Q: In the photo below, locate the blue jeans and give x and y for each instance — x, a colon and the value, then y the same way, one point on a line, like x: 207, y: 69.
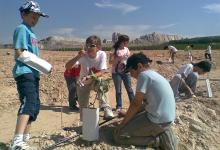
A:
x: 117, y: 78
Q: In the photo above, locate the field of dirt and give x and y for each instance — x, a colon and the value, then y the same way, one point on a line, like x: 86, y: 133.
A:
x: 196, y: 125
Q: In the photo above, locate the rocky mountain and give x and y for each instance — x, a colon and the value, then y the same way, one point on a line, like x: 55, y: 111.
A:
x: 156, y: 38
x: 58, y: 42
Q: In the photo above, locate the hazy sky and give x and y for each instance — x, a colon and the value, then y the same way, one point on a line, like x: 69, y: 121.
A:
x: 81, y: 18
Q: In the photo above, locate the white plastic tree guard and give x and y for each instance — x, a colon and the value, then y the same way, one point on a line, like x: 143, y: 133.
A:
x: 208, y: 87
x: 90, y: 127
x: 35, y: 62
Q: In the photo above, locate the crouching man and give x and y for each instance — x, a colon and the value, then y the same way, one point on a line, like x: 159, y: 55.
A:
x: 185, y: 80
x: 149, y: 117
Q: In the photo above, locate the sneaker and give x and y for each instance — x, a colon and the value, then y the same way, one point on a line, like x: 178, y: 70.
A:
x: 26, y: 137
x: 168, y: 140
x: 74, y: 108
x: 118, y: 110
x: 22, y: 146
x: 108, y: 114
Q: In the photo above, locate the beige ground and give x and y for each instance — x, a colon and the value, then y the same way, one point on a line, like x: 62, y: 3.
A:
x: 196, y: 126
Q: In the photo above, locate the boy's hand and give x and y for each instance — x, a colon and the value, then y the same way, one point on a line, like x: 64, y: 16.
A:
x: 18, y: 52
x: 85, y: 80
x: 81, y: 53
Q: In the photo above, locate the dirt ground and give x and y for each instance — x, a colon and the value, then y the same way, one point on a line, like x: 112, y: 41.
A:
x: 196, y: 125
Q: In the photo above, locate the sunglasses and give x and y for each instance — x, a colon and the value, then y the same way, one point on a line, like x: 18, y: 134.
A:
x: 90, y: 46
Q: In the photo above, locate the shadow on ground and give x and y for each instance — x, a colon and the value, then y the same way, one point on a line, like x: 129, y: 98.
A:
x: 4, y: 146
x: 58, y: 108
x: 106, y: 139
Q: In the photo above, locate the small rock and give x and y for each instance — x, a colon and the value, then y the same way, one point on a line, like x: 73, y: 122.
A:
x: 98, y: 147
x: 211, y: 112
x: 190, y: 120
x: 63, y: 133
x: 47, y: 143
x: 195, y: 128
x: 178, y: 120
x: 192, y: 143
x: 199, y: 148
x: 132, y: 147
x: 150, y: 149
x: 215, y: 130
x: 119, y: 148
x: 93, y: 146
x: 183, y: 146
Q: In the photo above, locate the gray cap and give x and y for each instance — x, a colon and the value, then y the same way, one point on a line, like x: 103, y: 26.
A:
x: 32, y: 6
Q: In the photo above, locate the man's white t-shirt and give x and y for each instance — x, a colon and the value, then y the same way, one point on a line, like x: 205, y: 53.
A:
x: 209, y: 49
x: 172, y: 48
x: 89, y: 65
x: 185, y: 70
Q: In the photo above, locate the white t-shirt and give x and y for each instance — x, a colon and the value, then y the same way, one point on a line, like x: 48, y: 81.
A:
x: 158, y: 96
x: 172, y: 48
x: 121, y: 56
x: 89, y: 65
x: 185, y: 70
x: 209, y: 49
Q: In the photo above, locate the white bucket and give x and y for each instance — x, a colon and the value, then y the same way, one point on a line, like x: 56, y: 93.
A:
x: 90, y: 128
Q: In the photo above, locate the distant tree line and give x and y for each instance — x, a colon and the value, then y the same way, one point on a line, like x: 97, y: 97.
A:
x: 199, y: 43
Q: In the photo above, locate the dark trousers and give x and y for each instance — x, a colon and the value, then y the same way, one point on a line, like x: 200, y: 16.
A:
x: 71, y: 85
x: 173, y: 56
x: 28, y: 90
x: 208, y: 56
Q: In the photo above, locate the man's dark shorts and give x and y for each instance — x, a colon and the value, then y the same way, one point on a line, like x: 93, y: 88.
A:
x: 28, y: 90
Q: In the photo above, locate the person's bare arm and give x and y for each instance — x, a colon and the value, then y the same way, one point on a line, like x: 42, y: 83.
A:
x: 73, y: 61
x: 111, y: 58
x: 189, y: 90
x: 18, y: 52
x: 134, y: 108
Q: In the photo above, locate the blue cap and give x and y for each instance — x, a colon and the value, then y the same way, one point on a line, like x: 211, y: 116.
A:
x: 32, y: 6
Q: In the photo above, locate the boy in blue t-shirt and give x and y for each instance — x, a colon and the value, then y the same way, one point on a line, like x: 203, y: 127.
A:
x: 150, y: 115
x: 27, y: 78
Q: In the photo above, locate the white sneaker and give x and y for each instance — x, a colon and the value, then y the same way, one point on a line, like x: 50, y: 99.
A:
x: 26, y: 137
x: 108, y: 114
x: 22, y: 146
